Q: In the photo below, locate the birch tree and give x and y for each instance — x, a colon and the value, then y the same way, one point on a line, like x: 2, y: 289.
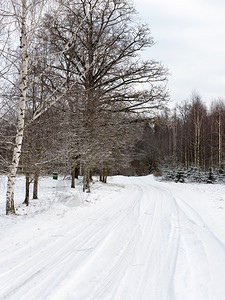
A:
x: 198, y: 141
x: 21, y: 21
x: 198, y: 114
x: 217, y: 131
x: 16, y: 61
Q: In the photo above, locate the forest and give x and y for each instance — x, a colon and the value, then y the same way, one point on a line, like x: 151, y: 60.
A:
x: 188, y: 138
x: 77, y: 98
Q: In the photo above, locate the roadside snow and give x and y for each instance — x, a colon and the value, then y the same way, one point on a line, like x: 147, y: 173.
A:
x: 132, y: 239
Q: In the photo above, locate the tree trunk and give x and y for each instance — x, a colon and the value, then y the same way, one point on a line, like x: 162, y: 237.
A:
x: 100, y: 175
x: 86, y: 180
x: 219, y: 142
x: 27, y: 193
x: 103, y: 174
x: 73, y: 173
x: 35, y: 189
x: 77, y: 172
x: 197, y: 141
x: 211, y: 148
x: 106, y: 175
x: 90, y: 176
x: 10, y: 207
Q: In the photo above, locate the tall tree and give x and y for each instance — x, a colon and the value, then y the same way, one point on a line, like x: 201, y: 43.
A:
x: 198, y: 114
x: 217, y: 115
x: 107, y: 53
x: 21, y: 21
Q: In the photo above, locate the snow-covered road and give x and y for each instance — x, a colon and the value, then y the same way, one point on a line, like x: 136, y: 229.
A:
x: 141, y: 240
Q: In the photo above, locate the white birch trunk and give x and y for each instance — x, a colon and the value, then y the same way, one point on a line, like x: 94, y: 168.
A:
x: 10, y: 208
x: 219, y: 142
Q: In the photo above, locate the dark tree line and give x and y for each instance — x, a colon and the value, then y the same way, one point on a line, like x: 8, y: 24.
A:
x: 190, y: 135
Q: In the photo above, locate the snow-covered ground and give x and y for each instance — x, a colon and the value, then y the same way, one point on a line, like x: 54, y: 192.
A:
x: 132, y: 239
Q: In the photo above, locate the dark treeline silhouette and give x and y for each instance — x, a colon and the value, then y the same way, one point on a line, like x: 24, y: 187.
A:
x: 190, y: 135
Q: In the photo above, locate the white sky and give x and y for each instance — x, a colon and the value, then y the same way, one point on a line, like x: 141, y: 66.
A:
x: 190, y: 41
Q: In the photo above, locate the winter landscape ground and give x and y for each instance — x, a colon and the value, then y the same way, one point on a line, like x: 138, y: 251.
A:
x: 134, y: 238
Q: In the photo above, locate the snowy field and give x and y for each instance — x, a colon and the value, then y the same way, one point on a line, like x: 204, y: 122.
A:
x: 132, y: 239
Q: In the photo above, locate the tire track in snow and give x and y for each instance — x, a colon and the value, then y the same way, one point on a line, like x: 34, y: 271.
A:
x: 201, y: 272
x: 161, y: 252
x: 149, y: 275
x: 33, y: 244
x: 143, y: 245
x: 105, y: 269
x: 207, y: 269
x: 40, y: 264
x: 130, y: 257
x: 126, y: 237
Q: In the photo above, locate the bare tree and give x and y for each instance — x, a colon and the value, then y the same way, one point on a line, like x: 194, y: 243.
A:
x: 217, y: 116
x: 106, y: 52
x: 21, y: 20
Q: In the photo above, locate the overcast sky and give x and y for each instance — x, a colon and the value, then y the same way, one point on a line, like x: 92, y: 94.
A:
x: 190, y: 41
